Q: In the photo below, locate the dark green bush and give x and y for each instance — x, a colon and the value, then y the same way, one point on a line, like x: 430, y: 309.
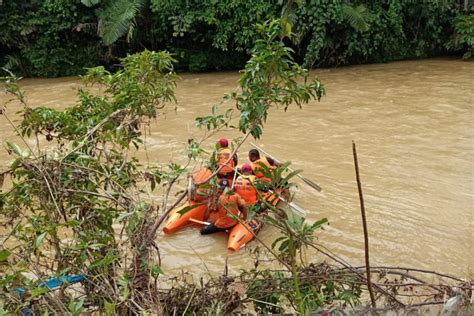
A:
x: 39, y: 38
x: 463, y: 39
x: 54, y: 38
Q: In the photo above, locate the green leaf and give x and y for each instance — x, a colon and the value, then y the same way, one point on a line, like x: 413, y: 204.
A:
x: 123, y: 282
x: 284, y: 246
x: 320, y: 223
x: 38, y: 291
x: 156, y: 270
x: 123, y: 216
x: 290, y: 176
x: 117, y: 19
x: 357, y: 16
x: 4, y: 254
x: 40, y: 239
x: 76, y: 307
x: 90, y: 3
x: 8, y: 279
x: 17, y: 150
x: 186, y: 209
x: 276, y: 241
x: 109, y: 259
x: 109, y: 309
x: 286, y: 28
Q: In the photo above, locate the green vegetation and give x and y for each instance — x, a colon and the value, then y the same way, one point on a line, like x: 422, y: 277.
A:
x: 56, y: 38
x: 38, y: 38
x: 62, y: 205
x: 65, y: 207
x: 464, y: 36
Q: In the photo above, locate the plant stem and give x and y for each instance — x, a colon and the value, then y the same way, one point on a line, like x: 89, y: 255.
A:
x: 294, y: 273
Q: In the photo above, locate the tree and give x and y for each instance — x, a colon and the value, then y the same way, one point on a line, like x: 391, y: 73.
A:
x: 115, y: 18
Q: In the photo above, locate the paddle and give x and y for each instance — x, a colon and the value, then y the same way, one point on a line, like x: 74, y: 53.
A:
x: 305, y: 180
x: 235, y: 177
x: 295, y: 208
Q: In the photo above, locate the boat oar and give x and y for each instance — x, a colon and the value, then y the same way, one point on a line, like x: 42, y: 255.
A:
x: 305, y: 180
x: 235, y: 177
x: 295, y: 208
x: 199, y: 222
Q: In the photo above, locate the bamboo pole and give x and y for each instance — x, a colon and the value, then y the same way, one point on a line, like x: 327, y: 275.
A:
x: 364, y: 223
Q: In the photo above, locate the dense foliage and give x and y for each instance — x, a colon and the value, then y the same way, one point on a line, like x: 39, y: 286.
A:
x: 78, y: 208
x: 54, y: 38
x: 39, y: 38
x: 464, y: 36
x: 62, y: 206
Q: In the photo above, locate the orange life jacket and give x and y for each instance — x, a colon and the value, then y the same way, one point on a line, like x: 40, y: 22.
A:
x: 257, y: 168
x: 243, y: 186
x: 202, y: 189
x: 222, y: 156
x: 228, y: 204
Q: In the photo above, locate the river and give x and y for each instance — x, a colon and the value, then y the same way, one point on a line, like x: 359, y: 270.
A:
x: 413, y: 125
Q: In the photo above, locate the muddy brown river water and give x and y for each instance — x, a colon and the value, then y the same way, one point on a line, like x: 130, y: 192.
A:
x: 413, y: 125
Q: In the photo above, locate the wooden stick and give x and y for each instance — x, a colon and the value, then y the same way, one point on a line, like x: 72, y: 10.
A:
x: 306, y: 180
x: 190, y: 300
x: 444, y: 275
x: 199, y: 222
x: 157, y: 224
x: 364, y: 223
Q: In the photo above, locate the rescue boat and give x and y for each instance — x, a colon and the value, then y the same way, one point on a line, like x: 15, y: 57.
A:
x: 194, y: 211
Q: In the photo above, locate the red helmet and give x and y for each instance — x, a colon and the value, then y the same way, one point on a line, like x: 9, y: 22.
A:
x: 246, y: 167
x: 223, y: 142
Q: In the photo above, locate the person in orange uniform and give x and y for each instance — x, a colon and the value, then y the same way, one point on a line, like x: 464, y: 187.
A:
x: 201, y: 190
x: 230, y: 205
x: 257, y: 162
x: 244, y: 185
x: 226, y: 168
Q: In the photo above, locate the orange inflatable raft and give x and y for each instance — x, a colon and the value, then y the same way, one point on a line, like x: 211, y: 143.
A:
x: 194, y: 211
